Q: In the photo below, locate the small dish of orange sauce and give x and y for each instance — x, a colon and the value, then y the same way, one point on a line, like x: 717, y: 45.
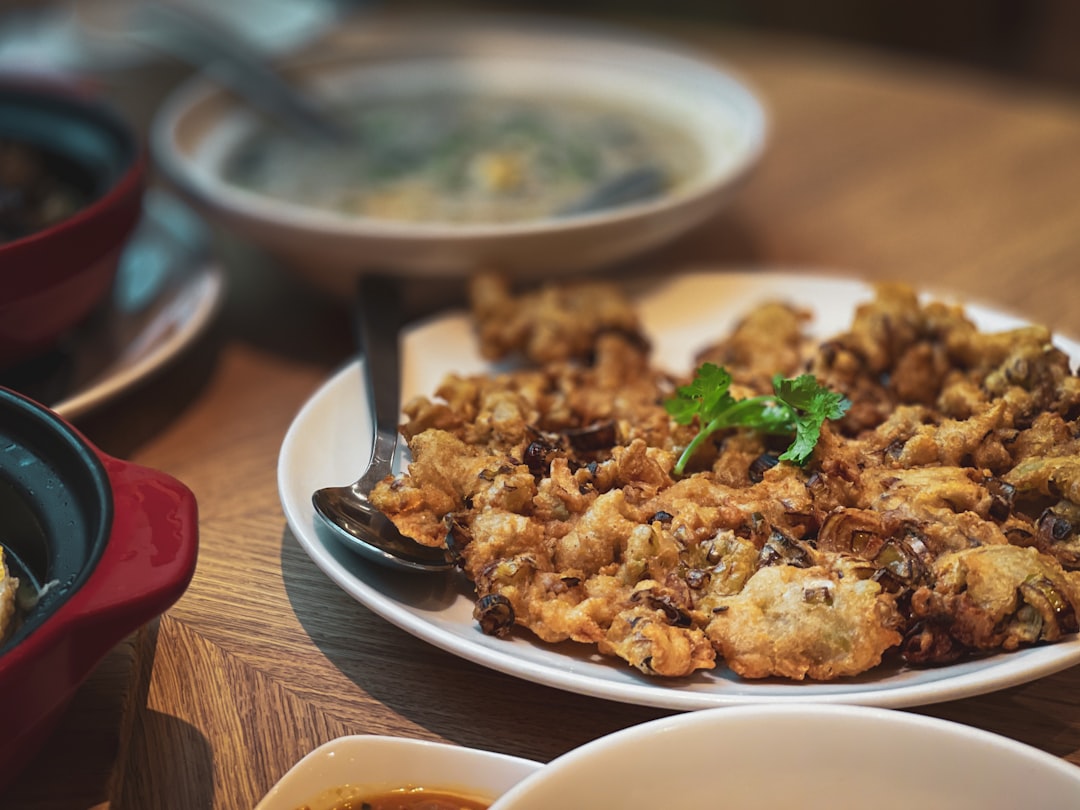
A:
x: 410, y: 799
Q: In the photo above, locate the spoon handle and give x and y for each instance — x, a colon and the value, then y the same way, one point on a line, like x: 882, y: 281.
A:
x: 377, y: 325
x: 198, y: 39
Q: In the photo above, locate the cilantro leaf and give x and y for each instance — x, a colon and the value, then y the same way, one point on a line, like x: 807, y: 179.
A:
x: 705, y: 396
x: 812, y: 404
x: 798, y: 406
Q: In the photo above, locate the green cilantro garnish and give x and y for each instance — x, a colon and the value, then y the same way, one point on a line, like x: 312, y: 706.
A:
x: 798, y: 405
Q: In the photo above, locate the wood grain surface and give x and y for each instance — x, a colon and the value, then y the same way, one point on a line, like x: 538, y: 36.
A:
x: 877, y: 166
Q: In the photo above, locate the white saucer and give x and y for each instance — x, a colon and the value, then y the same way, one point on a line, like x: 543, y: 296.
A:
x: 166, y: 293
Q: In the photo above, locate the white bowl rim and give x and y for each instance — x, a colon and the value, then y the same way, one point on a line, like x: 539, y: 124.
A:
x: 207, y: 186
x: 407, y: 747
x: 809, y: 711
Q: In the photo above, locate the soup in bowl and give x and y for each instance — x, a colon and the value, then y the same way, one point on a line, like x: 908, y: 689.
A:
x: 472, y: 142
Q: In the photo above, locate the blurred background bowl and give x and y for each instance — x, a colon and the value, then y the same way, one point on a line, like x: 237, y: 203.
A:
x: 361, y: 765
x: 200, y: 126
x: 52, y: 277
x: 100, y: 547
x: 813, y: 757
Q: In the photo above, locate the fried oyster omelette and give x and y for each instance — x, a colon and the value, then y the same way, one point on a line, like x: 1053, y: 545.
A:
x: 938, y: 518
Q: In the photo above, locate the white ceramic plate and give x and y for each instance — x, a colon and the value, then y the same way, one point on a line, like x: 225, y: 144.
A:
x: 365, y: 765
x: 166, y: 293
x: 330, y: 441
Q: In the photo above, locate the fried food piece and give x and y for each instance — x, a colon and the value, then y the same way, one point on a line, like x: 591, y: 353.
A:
x: 801, y: 623
x: 598, y: 583
x: 858, y: 362
x: 553, y: 323
x: 978, y: 441
x: 1048, y: 476
x: 1055, y: 533
x: 445, y: 475
x: 951, y: 505
x: 645, y: 638
x: 770, y: 340
x: 995, y: 597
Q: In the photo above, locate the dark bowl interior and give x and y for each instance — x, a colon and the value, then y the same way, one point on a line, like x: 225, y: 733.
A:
x: 56, y: 507
x: 56, y: 266
x: 84, y: 143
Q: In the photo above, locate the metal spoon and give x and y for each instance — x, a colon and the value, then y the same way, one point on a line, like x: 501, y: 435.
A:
x: 634, y: 185
x: 347, y: 510
x: 202, y: 42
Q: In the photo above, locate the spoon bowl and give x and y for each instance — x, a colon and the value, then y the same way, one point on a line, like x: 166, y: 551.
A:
x: 346, y: 510
x: 232, y: 61
x: 350, y: 514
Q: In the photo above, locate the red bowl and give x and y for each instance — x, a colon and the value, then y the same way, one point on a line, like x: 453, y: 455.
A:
x: 108, y: 544
x: 51, y: 279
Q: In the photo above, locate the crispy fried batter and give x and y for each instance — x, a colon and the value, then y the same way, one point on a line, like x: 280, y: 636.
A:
x: 550, y: 324
x: 994, y: 597
x: 645, y: 638
x: 769, y: 340
x: 940, y: 517
x: 805, y: 623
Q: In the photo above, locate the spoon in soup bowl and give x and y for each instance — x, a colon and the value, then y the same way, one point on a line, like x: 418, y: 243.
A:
x: 194, y: 37
x: 234, y: 63
x: 347, y: 510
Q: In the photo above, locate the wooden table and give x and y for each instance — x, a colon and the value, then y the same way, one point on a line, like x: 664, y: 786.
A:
x: 877, y: 166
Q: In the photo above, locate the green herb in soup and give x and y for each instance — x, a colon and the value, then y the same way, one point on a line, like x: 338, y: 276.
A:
x: 463, y: 159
